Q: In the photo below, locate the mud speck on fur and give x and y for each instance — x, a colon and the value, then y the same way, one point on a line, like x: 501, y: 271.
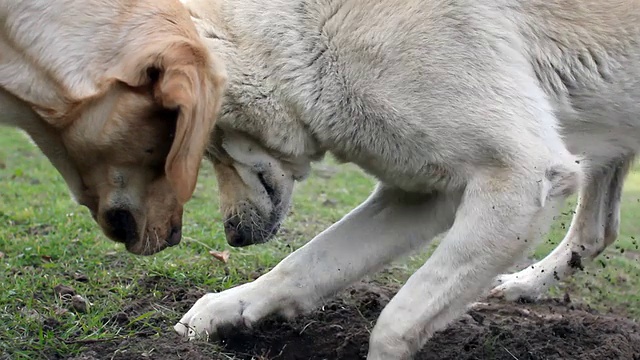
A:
x: 576, y: 261
x: 339, y: 330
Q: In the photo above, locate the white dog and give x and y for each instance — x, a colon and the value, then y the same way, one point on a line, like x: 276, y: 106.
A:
x: 120, y: 96
x: 479, y: 118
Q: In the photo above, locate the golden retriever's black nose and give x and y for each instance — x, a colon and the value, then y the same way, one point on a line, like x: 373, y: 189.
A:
x: 175, y: 236
x: 122, y: 224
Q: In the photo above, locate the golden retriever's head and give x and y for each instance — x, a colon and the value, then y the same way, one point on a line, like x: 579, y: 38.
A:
x: 137, y: 146
x: 255, y: 186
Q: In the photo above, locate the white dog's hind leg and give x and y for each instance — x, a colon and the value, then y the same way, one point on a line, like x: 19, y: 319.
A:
x: 594, y: 227
x: 385, y: 226
x: 498, y: 218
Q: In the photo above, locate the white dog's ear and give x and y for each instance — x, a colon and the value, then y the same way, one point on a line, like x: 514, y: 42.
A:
x: 183, y: 77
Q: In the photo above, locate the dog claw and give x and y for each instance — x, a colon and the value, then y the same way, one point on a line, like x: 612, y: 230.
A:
x: 496, y: 294
x: 181, y: 329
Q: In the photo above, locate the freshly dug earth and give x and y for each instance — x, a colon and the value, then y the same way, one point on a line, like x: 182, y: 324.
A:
x: 551, y: 329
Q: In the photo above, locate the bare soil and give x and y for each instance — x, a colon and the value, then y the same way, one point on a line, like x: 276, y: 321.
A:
x: 550, y: 329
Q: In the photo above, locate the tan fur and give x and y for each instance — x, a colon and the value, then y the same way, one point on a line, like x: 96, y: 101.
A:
x: 121, y: 97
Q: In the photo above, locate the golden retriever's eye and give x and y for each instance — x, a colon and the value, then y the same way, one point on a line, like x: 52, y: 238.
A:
x: 169, y: 119
x: 153, y: 74
x: 157, y: 171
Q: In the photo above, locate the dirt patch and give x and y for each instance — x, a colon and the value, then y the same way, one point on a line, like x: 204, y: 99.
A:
x: 552, y: 329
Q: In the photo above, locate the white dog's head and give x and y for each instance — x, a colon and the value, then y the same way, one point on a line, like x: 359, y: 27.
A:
x: 255, y: 185
x: 258, y: 152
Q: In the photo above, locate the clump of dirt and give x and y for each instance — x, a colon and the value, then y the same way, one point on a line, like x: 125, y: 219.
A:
x: 551, y: 329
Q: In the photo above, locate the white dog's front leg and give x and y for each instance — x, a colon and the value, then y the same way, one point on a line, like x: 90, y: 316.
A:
x: 496, y: 222
x: 385, y: 226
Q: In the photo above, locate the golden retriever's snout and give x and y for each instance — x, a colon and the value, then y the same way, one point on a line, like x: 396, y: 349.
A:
x: 122, y: 225
x: 141, y: 234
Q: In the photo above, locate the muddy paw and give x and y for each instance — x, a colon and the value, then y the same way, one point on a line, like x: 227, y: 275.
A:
x: 518, y: 287
x: 216, y: 313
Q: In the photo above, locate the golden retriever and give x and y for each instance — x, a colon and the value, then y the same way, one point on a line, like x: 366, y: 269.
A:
x: 121, y: 96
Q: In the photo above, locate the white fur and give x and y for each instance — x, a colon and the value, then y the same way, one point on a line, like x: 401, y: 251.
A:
x: 478, y: 118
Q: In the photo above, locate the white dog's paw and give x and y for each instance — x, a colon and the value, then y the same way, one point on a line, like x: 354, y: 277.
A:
x: 212, y: 314
x: 523, y: 285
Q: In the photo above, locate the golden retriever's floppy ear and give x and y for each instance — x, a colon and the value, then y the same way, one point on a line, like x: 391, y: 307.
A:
x: 184, y: 77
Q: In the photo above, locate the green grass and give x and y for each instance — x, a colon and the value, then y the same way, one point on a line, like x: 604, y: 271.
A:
x: 47, y: 240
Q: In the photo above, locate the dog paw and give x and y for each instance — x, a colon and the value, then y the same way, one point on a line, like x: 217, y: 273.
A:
x: 521, y: 286
x: 216, y: 313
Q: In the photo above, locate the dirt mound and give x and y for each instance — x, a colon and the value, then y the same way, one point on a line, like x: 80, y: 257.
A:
x: 552, y: 329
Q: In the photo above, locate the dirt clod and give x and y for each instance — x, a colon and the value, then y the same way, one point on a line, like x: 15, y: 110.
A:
x: 79, y: 304
x: 80, y: 277
x: 62, y: 290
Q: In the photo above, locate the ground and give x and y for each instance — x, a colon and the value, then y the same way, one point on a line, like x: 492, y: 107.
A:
x: 68, y: 293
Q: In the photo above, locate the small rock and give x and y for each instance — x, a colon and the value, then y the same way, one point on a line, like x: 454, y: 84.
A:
x: 79, y: 304
x: 81, y: 278
x: 63, y: 290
